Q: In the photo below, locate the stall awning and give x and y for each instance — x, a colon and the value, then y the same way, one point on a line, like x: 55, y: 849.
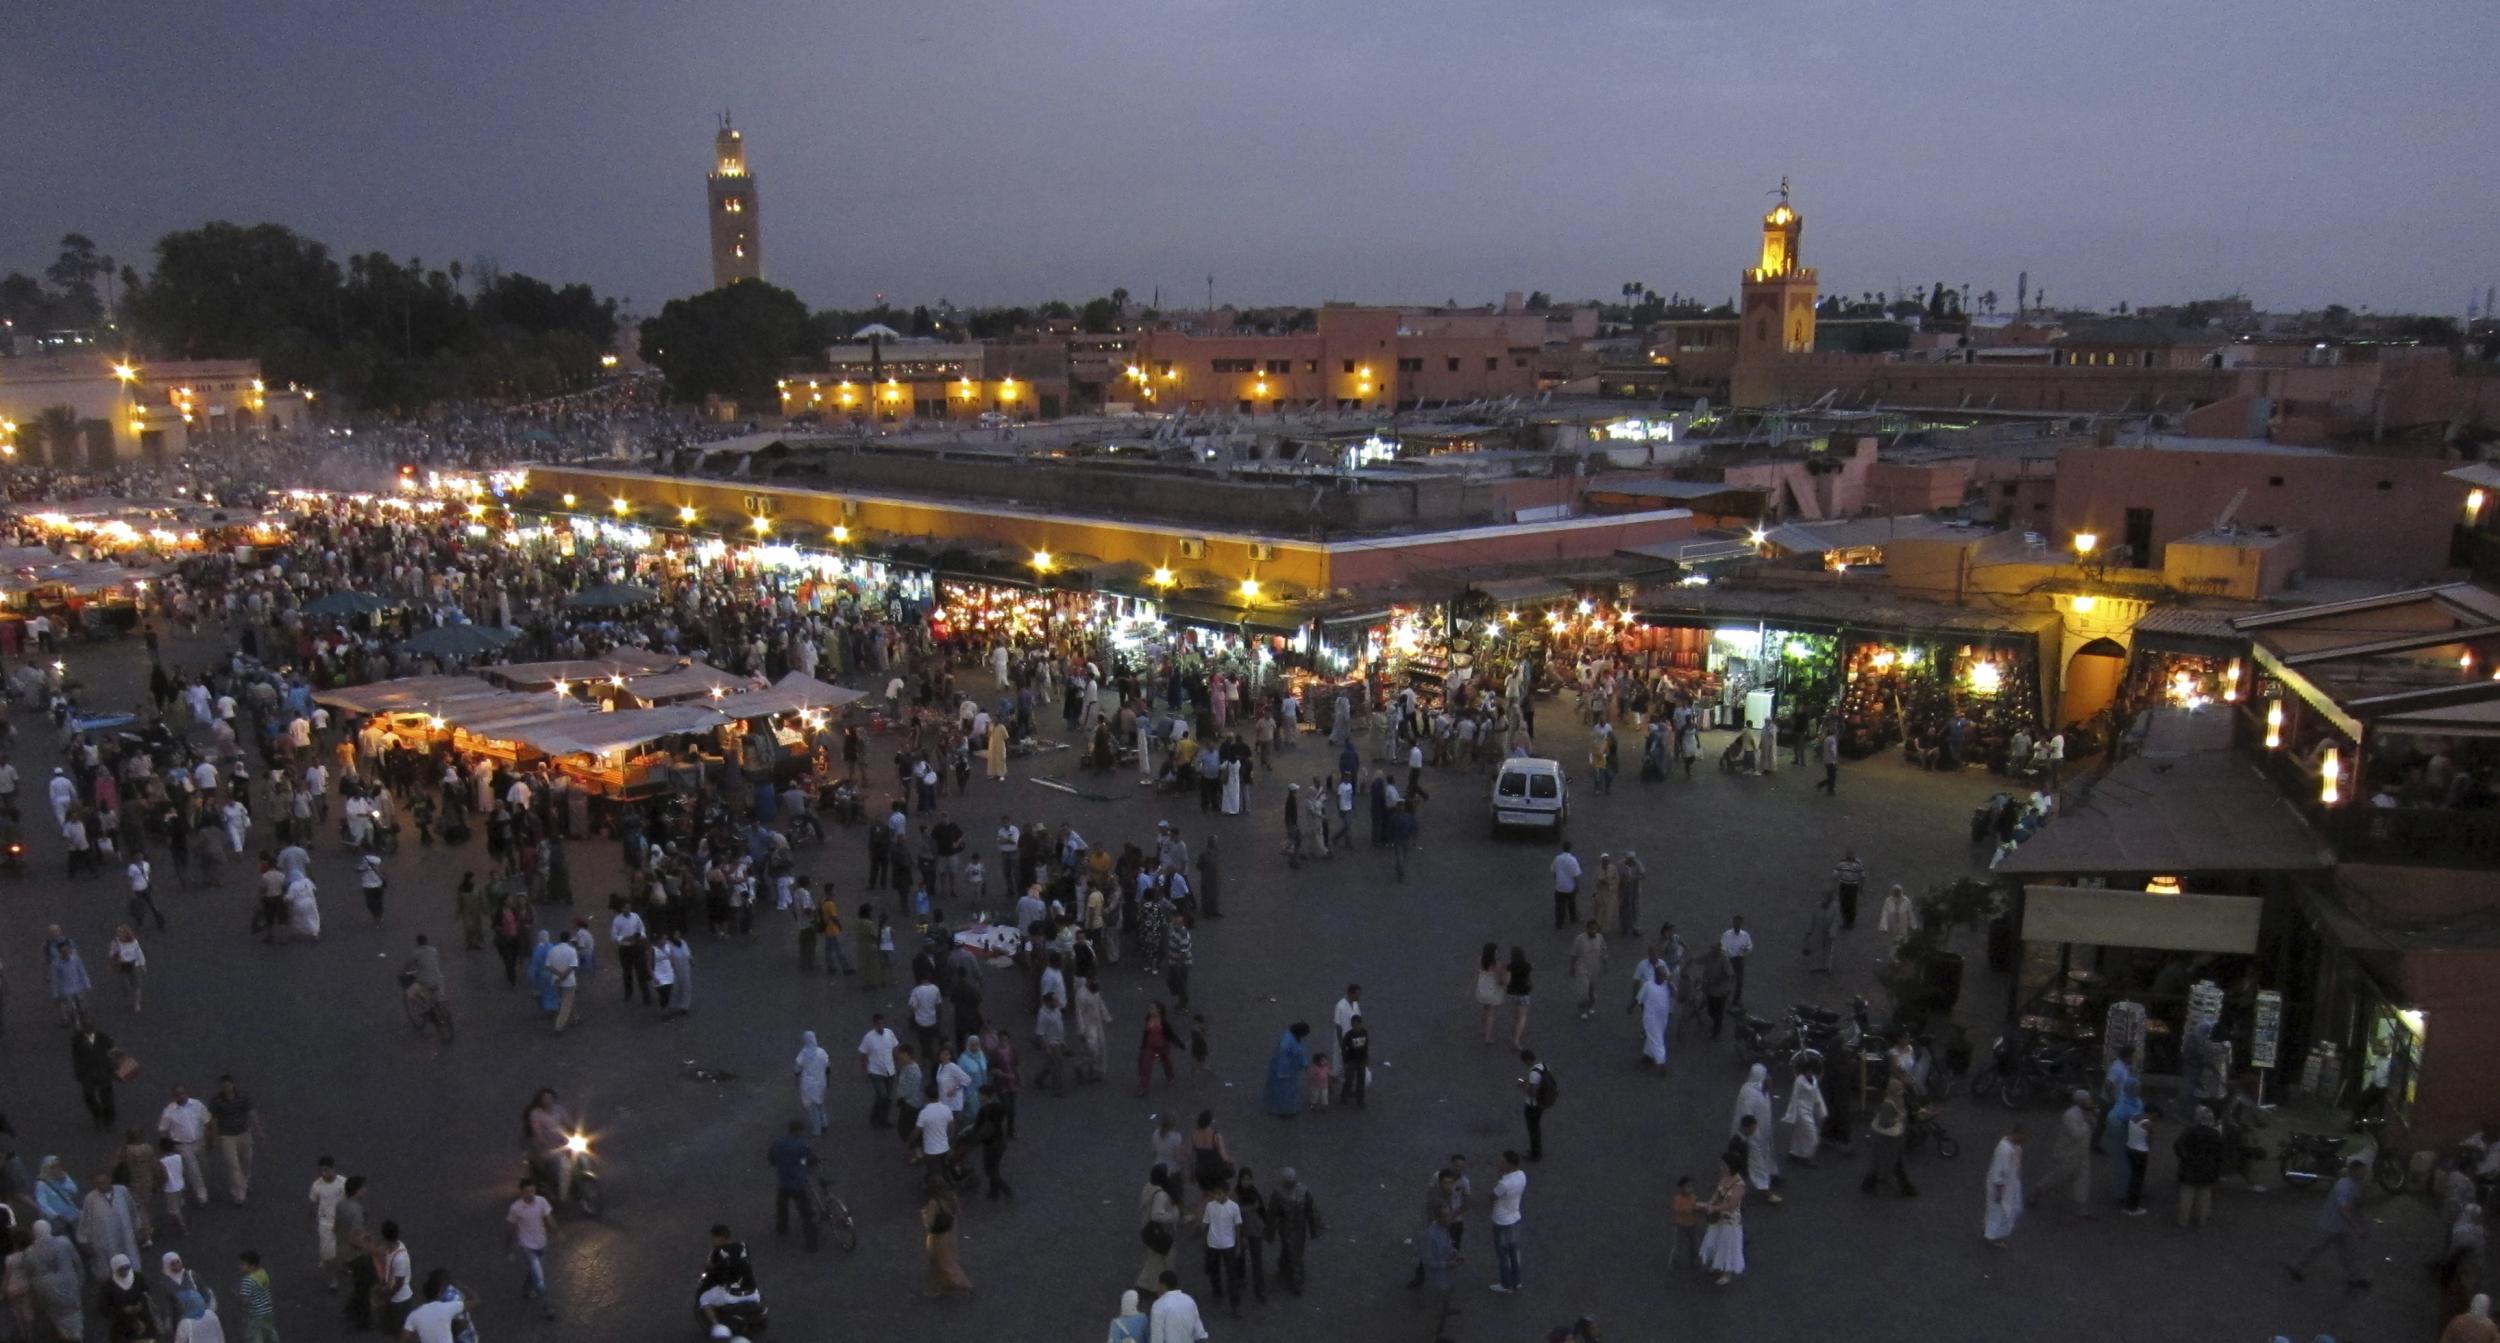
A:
x: 600, y: 733
x: 485, y: 714
x: 2107, y: 918
x: 2196, y: 631
x: 2185, y: 804
x: 404, y: 693
x: 791, y: 694
x: 685, y: 683
x: 625, y: 662
x: 1220, y: 616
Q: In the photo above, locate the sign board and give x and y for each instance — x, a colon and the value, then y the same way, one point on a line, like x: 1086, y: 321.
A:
x: 2107, y: 918
x: 2265, y: 1039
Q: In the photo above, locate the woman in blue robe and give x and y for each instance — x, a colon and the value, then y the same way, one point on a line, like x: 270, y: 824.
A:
x: 2114, y: 1135
x: 1285, y: 1069
x: 539, y: 978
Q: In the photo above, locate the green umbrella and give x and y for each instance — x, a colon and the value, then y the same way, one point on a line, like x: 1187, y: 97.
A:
x: 611, y: 596
x: 457, y: 641
x: 348, y: 604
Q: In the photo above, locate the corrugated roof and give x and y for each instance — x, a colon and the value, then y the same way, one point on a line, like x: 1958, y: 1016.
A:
x: 2186, y: 805
x: 1813, y: 538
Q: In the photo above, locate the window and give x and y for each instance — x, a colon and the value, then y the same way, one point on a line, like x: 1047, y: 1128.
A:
x: 1349, y: 366
x: 1410, y: 366
x: 1233, y: 365
x: 1280, y: 367
x: 2140, y: 538
x: 2274, y: 480
x: 1543, y: 786
x: 1519, y: 361
x: 2009, y: 488
x: 1310, y: 366
x: 1453, y: 363
x: 1492, y: 362
x: 1163, y: 368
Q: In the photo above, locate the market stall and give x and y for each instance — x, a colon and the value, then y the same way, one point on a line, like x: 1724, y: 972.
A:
x: 611, y: 754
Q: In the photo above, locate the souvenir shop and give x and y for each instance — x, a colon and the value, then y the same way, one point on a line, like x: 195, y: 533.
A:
x: 1904, y: 690
x: 1026, y: 614
x: 2186, y: 658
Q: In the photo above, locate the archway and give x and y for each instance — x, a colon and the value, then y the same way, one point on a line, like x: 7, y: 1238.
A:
x: 2091, y: 682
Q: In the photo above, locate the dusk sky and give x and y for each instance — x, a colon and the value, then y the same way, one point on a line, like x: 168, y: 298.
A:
x: 991, y: 152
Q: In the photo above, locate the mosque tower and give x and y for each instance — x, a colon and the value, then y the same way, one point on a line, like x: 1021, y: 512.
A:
x: 737, y: 232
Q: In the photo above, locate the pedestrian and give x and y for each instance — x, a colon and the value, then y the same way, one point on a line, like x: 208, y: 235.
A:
x: 259, y: 1314
x: 130, y: 963
x: 1293, y: 1218
x: 1490, y: 979
x: 877, y: 1049
x: 1285, y: 1067
x: 1898, y: 918
x: 129, y: 1314
x: 1848, y: 879
x: 562, y: 966
x: 1684, y: 1214
x: 1180, y: 954
x: 1806, y: 1112
x: 1654, y: 998
x: 1753, y: 1102
x: 2200, y: 1152
x: 1174, y: 1318
x: 1154, y: 1045
x: 394, y: 1290
x: 1736, y: 944
x: 1884, y: 1151
x: 1831, y: 760
x: 142, y: 877
x: 1629, y: 911
x: 184, y: 1122
x: 237, y: 1126
x: 794, y: 1182
x: 1510, y: 1192
x: 1221, y: 1217
x: 2341, y: 1228
x: 1823, y: 935
x: 1566, y: 872
x: 1050, y: 1035
x: 1537, y: 1092
x: 1130, y: 1324
x: 107, y: 1223
x: 2139, y: 1156
x: 2128, y: 1104
x: 946, y: 1276
x: 1723, y: 1241
x: 66, y: 975
x: 810, y: 1068
x: 329, y: 1189
x: 2005, y: 1189
x: 989, y: 1133
x: 1159, y: 1219
x: 529, y: 1225
x: 1518, y: 985
x: 1354, y: 1064
x: 1588, y: 961
x: 2070, y: 1162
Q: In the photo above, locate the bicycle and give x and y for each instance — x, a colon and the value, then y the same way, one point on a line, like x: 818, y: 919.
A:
x: 834, y: 1216
x: 426, y: 1011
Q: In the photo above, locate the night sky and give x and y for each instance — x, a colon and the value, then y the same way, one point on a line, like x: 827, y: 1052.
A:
x: 1300, y: 150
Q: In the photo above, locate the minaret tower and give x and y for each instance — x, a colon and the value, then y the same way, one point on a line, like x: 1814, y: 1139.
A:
x: 1776, y: 317
x: 737, y: 233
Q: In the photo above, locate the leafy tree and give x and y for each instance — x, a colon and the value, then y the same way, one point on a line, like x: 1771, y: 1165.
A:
x: 1540, y: 301
x: 1056, y: 311
x: 732, y: 342
x: 74, y: 274
x: 1099, y: 315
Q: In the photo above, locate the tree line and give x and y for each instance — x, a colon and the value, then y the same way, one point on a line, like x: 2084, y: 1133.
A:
x: 385, y: 334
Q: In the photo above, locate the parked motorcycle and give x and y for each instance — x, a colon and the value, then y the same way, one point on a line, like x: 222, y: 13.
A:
x: 2307, y: 1158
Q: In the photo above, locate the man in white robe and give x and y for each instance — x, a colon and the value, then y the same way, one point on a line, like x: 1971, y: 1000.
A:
x: 1761, y: 1158
x: 2005, y: 1188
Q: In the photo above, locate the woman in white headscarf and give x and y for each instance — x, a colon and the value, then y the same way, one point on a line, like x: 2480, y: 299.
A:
x: 52, y: 1267
x: 1129, y: 1326
x: 2005, y: 1188
x: 811, y: 1066
x: 1762, y: 1164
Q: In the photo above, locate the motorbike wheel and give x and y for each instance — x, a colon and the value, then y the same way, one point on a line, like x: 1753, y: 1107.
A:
x: 839, y: 1224
x: 2010, y: 1090
x: 1946, y: 1147
x: 586, y: 1195
x: 2291, y: 1179
x: 2393, y: 1171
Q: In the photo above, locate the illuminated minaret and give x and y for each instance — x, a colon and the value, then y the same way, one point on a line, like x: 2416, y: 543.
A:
x: 1776, y: 316
x: 737, y: 234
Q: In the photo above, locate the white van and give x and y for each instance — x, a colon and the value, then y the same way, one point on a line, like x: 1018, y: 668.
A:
x: 1531, y: 792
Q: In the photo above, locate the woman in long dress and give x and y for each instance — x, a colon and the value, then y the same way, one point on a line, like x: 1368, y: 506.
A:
x: 810, y: 1068
x: 1284, y: 1071
x: 2005, y: 1188
x: 1806, y: 1112
x: 1158, y: 1205
x: 541, y: 982
x: 946, y: 1270
x: 52, y: 1268
x: 1761, y: 1158
x: 995, y: 749
x: 1723, y: 1244
x: 303, y: 911
x: 1656, y: 998
x: 1093, y: 1023
x: 681, y: 960
x: 1232, y: 787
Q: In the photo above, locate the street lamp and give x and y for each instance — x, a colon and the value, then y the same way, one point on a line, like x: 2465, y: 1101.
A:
x: 1249, y: 590
x: 686, y: 514
x: 1041, y: 561
x: 1161, y: 577
x: 2086, y: 543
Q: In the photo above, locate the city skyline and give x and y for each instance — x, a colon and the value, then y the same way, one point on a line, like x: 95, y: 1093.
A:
x: 986, y: 155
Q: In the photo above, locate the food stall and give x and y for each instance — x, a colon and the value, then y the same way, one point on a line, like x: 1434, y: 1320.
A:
x: 611, y: 755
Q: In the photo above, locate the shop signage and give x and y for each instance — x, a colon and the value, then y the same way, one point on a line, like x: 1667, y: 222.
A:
x: 2266, y: 1038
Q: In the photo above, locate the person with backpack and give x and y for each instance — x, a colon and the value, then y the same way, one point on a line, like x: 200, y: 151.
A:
x: 1539, y: 1091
